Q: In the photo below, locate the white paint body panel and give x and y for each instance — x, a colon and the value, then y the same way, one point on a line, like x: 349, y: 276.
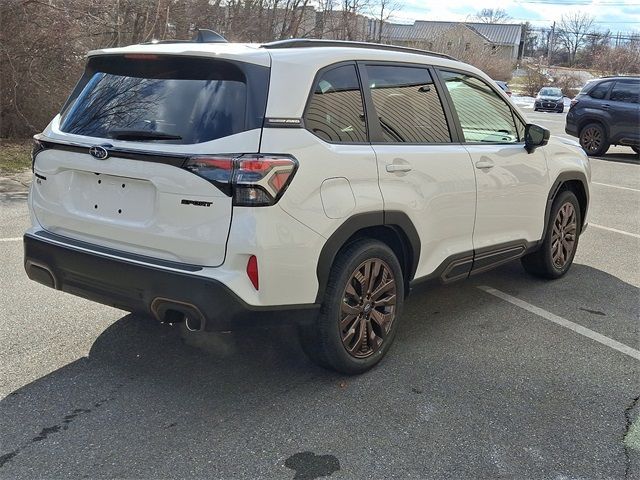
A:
x: 319, y: 161
x: 83, y: 198
x: 438, y: 194
x: 512, y: 194
x: 287, y: 253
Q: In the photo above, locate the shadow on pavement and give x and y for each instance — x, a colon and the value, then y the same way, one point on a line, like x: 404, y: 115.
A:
x: 13, y: 197
x: 145, y: 404
x: 13, y: 189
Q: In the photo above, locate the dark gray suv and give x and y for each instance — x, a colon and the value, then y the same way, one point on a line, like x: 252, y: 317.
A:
x: 606, y: 112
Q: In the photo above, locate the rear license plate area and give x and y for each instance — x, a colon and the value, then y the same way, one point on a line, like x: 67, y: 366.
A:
x: 110, y: 197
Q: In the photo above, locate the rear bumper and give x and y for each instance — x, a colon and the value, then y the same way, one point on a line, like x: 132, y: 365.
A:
x: 571, y: 129
x: 149, y: 290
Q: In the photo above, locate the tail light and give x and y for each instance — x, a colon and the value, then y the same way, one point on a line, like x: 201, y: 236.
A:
x: 252, y: 180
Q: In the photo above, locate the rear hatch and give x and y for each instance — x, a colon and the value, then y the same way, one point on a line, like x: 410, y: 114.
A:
x: 114, y: 168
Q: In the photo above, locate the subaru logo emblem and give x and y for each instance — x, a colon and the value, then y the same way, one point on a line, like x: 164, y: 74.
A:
x: 98, y: 152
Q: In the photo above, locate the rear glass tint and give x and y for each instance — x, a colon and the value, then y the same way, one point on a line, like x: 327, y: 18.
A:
x: 335, y: 112
x: 187, y: 100
x: 600, y: 90
x: 626, y: 92
x: 408, y: 105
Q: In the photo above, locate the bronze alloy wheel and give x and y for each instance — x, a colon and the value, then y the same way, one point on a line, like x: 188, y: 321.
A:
x: 591, y: 139
x: 368, y: 308
x: 563, y: 236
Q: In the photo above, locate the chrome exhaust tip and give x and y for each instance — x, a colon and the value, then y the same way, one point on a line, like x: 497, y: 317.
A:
x: 171, y: 311
x: 193, y: 324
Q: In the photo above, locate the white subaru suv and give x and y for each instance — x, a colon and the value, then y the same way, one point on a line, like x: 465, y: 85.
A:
x: 315, y: 181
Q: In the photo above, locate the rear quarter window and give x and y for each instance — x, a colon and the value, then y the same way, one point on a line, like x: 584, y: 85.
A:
x: 600, y: 90
x: 335, y: 112
x: 190, y: 100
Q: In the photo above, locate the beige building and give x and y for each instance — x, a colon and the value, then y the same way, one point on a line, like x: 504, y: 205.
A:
x: 454, y: 38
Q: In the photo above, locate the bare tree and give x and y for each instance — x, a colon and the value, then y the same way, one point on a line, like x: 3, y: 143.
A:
x: 382, y: 11
x: 572, y: 33
x: 619, y: 60
x: 534, y: 79
x: 569, y: 82
x: 492, y: 15
x: 352, y: 19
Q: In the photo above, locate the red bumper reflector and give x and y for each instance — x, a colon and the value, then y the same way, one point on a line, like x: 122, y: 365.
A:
x: 252, y: 271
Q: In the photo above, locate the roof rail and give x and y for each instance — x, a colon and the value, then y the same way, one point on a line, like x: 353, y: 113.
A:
x: 202, y: 36
x: 619, y: 76
x: 306, y: 43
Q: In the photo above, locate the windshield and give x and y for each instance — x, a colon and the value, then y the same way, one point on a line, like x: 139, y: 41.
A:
x: 164, y: 99
x: 550, y: 92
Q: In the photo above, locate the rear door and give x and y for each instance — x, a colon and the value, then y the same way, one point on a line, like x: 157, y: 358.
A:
x: 123, y: 166
x: 422, y: 172
x: 624, y: 103
x: 512, y: 184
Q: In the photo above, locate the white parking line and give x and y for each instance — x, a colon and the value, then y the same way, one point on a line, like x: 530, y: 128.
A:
x: 616, y: 186
x: 622, y: 232
x: 13, y: 239
x: 563, y: 322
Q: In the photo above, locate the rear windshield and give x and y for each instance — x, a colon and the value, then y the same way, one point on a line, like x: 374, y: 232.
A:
x: 166, y: 99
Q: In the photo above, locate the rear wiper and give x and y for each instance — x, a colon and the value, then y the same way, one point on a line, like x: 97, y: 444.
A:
x: 142, y: 135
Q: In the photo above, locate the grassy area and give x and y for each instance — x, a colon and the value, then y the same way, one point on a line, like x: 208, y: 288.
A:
x: 15, y: 155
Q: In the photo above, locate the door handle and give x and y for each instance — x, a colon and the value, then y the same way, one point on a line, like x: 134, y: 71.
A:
x: 484, y: 164
x: 396, y: 167
x: 605, y: 105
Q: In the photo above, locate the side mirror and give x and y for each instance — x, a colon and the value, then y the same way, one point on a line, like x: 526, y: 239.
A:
x: 535, y: 136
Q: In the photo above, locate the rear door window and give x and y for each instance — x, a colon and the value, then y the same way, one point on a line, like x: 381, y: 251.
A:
x: 166, y: 99
x: 408, y: 105
x: 624, y: 91
x: 335, y: 112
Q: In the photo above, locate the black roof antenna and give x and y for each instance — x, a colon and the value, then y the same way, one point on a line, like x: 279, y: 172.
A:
x: 208, y: 36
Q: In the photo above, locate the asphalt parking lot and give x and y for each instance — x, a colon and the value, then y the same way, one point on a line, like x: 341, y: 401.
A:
x: 502, y: 376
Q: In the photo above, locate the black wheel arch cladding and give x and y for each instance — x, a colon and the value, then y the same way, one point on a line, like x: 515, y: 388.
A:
x: 395, y: 224
x: 576, y: 182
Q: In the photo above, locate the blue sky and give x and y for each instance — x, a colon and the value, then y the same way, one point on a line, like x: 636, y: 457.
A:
x: 615, y: 15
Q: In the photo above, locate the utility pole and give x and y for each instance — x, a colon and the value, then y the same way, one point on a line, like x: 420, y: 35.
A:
x: 551, y: 41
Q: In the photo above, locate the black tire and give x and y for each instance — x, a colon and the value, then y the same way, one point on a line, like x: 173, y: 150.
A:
x: 535, y: 109
x: 323, y: 340
x: 593, y: 139
x: 542, y: 262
